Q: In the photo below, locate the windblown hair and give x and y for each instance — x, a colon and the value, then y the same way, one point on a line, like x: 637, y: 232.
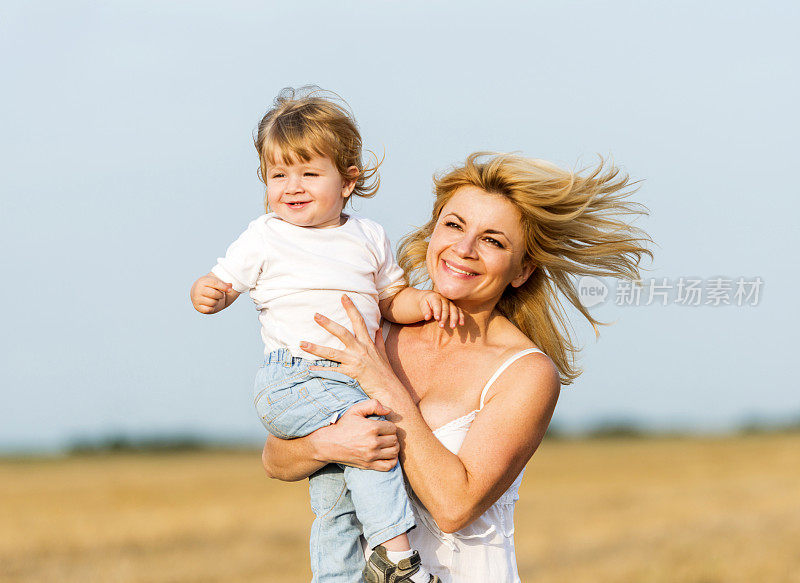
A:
x: 308, y: 122
x: 574, y: 225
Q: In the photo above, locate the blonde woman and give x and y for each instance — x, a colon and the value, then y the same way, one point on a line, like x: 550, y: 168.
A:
x: 467, y: 408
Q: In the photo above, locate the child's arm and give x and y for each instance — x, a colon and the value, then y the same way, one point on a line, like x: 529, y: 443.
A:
x: 411, y: 305
x: 209, y: 294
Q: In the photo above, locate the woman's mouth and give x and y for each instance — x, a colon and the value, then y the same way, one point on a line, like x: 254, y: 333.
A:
x: 458, y: 271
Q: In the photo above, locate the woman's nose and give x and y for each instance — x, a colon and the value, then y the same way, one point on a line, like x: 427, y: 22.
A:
x: 465, y: 247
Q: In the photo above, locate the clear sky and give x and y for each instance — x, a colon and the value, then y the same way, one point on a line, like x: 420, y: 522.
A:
x: 128, y: 167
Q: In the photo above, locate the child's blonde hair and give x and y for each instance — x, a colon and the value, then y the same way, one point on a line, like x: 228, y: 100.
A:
x: 308, y: 122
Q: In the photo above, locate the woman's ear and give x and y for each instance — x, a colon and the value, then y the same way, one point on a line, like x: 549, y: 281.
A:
x: 350, y: 181
x: 527, y: 269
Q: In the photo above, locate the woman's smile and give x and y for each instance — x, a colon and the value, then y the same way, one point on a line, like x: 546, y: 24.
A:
x: 458, y: 270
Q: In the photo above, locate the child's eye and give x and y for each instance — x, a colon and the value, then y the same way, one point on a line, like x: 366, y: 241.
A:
x: 277, y: 175
x: 310, y: 174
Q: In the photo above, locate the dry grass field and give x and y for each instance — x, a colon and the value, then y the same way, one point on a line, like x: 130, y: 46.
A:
x: 599, y: 511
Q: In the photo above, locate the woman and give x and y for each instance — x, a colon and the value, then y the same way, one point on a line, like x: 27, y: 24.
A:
x: 468, y: 407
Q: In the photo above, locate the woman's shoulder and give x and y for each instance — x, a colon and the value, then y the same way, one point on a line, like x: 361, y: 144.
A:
x: 524, y: 367
x: 508, y: 338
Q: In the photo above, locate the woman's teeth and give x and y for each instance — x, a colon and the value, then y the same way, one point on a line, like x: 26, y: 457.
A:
x: 459, y: 270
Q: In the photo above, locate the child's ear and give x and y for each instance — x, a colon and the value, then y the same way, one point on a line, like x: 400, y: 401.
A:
x: 350, y: 181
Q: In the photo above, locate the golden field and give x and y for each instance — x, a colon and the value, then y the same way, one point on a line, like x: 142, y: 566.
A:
x: 665, y: 510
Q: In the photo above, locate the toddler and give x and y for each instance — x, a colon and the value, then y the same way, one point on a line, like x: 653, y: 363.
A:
x: 299, y: 259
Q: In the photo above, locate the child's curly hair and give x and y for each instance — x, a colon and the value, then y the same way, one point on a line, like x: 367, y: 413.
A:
x: 308, y: 122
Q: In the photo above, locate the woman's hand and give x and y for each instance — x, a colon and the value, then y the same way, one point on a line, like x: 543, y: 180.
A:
x: 363, y: 358
x: 356, y: 440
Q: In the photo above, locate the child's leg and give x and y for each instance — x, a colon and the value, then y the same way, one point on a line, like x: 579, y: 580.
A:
x: 384, y: 510
x: 398, y: 543
x: 381, y: 505
x: 292, y: 402
x: 336, y: 553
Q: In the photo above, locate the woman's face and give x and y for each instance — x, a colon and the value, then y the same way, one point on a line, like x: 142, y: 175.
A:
x: 477, y: 247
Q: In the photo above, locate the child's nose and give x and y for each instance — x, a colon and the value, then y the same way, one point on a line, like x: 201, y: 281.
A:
x: 294, y: 184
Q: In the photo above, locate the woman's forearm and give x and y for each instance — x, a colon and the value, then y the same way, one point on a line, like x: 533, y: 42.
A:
x: 456, y: 489
x: 437, y: 476
x: 355, y: 439
x: 291, y: 460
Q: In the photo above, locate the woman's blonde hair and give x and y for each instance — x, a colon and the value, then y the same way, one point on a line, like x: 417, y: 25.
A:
x: 308, y: 122
x: 573, y: 224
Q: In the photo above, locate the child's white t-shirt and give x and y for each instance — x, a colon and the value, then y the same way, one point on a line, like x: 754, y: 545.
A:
x: 292, y: 272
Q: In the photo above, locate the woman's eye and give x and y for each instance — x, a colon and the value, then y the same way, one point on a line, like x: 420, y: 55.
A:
x: 452, y: 225
x: 494, y: 242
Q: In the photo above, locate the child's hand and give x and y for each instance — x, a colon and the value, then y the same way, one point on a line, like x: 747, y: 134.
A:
x: 209, y: 294
x: 438, y: 307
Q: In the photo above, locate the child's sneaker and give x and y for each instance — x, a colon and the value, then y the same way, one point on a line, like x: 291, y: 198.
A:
x: 379, y: 569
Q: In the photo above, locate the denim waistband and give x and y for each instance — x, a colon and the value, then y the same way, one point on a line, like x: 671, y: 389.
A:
x: 284, y: 356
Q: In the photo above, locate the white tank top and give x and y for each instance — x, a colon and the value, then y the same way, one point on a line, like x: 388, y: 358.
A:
x: 483, y: 551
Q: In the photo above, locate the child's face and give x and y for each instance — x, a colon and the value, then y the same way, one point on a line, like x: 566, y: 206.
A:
x: 307, y: 194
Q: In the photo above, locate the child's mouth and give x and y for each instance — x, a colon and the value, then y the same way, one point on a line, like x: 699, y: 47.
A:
x: 298, y: 205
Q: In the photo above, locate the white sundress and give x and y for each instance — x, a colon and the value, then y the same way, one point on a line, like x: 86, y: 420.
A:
x: 483, y: 551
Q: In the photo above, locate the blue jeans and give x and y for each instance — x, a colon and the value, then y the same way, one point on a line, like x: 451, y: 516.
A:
x: 292, y: 402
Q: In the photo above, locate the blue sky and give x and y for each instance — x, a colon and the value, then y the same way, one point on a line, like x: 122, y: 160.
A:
x: 128, y: 167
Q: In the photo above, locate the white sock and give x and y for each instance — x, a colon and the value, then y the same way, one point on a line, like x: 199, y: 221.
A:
x: 397, y: 556
x: 421, y: 576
